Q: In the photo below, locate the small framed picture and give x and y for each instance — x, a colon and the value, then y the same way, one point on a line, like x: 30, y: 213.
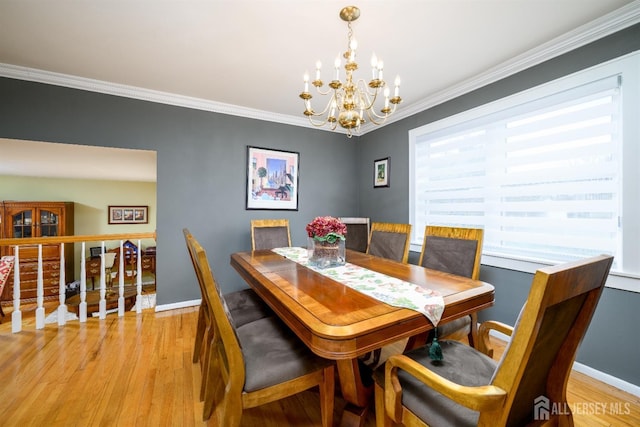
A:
x: 128, y: 214
x: 96, y: 251
x: 381, y: 173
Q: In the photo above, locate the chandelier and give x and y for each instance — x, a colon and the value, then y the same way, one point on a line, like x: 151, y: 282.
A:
x: 351, y: 102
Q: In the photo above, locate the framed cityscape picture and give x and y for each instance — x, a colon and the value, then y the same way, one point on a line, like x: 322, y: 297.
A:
x: 272, y: 179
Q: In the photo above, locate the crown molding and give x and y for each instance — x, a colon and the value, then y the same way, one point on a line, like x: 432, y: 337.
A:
x: 74, y: 82
x: 606, y: 25
x: 615, y: 21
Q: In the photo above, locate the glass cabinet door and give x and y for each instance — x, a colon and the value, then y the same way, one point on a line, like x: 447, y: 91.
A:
x: 48, y: 223
x: 22, y: 224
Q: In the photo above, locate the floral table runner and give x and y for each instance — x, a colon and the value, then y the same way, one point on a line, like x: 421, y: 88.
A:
x: 387, y: 289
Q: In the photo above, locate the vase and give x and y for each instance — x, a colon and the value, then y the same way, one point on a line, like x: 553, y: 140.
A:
x: 325, y: 254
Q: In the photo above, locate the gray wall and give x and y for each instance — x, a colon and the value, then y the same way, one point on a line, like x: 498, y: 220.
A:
x: 610, y: 345
x: 201, y: 181
x: 201, y: 169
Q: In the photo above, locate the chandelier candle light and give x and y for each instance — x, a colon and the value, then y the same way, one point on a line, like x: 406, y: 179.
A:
x: 326, y: 242
x: 352, y: 98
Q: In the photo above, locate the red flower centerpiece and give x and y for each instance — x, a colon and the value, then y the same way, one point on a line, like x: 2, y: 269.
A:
x: 326, y: 242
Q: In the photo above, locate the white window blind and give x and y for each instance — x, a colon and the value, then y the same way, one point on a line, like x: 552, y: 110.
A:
x: 543, y: 178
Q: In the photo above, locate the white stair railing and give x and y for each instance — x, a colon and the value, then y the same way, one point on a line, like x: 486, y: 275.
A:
x: 121, y: 274
x: 62, y: 309
x: 82, y: 307
x: 139, y: 280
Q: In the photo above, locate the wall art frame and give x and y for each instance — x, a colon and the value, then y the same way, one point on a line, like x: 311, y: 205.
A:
x: 128, y: 214
x: 381, y: 176
x: 272, y: 179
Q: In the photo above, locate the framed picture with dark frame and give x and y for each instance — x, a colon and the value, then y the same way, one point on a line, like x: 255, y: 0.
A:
x: 272, y: 179
x: 128, y: 214
x: 381, y: 173
x: 95, y: 251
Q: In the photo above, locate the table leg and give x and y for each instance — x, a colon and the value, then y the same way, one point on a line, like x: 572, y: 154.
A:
x: 416, y: 341
x: 357, y: 389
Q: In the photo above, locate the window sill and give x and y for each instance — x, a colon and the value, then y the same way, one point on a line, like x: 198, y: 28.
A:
x: 617, y: 280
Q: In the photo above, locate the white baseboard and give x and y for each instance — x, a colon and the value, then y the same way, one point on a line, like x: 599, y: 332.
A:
x: 607, y: 379
x: 593, y: 373
x: 177, y: 305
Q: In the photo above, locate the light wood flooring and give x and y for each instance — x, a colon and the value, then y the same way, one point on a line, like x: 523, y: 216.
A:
x: 137, y: 371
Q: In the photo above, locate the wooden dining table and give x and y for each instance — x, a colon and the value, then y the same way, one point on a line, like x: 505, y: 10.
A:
x: 340, y: 323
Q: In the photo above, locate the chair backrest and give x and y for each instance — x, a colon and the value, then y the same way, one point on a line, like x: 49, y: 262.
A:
x: 357, y: 233
x: 128, y: 259
x: 538, y: 360
x: 389, y: 240
x: 455, y: 250
x: 270, y: 233
x: 229, y: 361
x: 188, y: 237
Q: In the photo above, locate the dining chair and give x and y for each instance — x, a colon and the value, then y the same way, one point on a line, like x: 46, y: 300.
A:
x: 256, y: 363
x: 129, y: 265
x: 244, y: 305
x: 270, y: 233
x: 455, y: 250
x: 469, y: 388
x: 389, y: 240
x: 357, y: 233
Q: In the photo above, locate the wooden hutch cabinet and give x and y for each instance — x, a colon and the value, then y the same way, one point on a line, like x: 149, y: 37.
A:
x: 38, y: 219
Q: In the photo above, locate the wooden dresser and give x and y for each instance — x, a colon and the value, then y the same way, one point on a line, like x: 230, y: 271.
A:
x: 38, y: 219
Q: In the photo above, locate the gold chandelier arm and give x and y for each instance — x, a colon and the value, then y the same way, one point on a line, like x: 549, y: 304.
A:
x: 349, y: 98
x: 333, y: 98
x: 329, y: 90
x: 375, y: 118
x: 321, y: 123
x: 366, y: 96
x: 327, y: 118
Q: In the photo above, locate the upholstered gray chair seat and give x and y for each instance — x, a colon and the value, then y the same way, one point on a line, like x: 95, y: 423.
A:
x: 246, y: 306
x: 463, y: 365
x: 273, y: 354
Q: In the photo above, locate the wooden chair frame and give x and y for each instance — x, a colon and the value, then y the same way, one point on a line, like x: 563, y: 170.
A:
x: 476, y: 234
x: 225, y: 367
x: 354, y: 221
x: 537, y: 361
x: 388, y: 227
x: 464, y: 233
x: 262, y: 223
x: 128, y: 258
x: 204, y: 329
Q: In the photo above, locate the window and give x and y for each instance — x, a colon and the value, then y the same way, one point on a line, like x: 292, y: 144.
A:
x: 549, y: 173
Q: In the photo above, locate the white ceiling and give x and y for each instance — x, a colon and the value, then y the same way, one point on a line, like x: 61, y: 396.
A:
x: 248, y: 57
x: 46, y: 159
